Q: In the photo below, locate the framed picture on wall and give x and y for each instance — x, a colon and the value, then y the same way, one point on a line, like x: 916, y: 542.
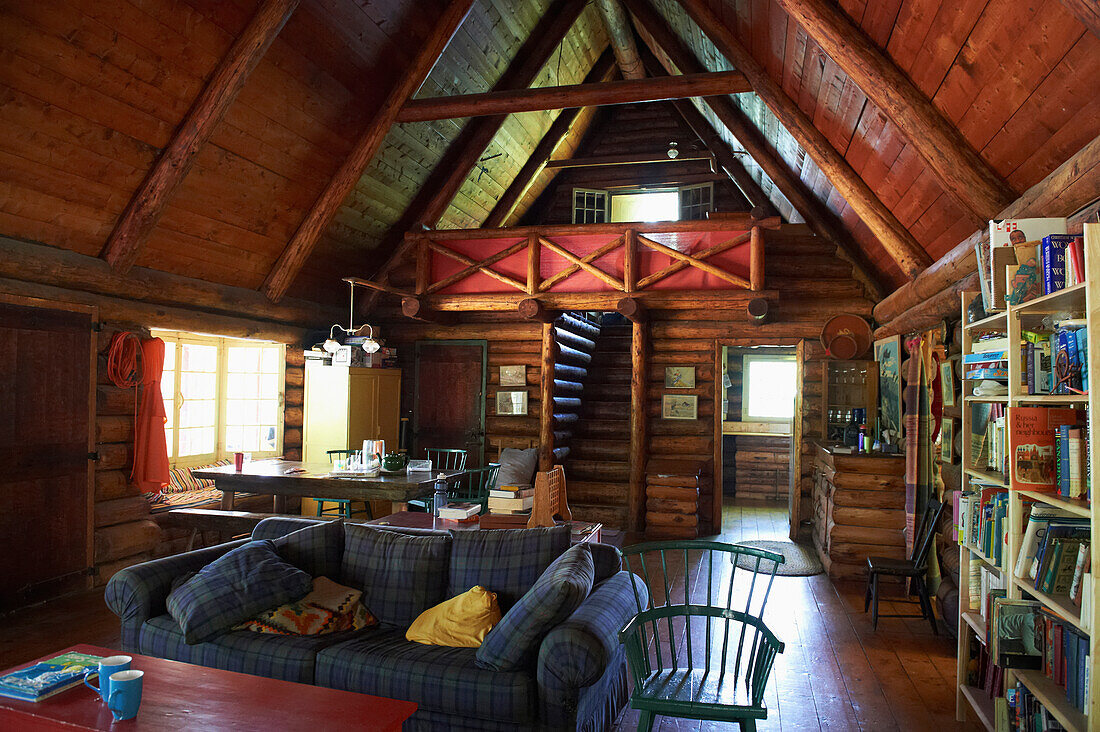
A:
x: 947, y: 440
x: 513, y: 375
x: 888, y: 356
x: 512, y: 403
x: 679, y: 377
x: 947, y: 383
x: 679, y: 406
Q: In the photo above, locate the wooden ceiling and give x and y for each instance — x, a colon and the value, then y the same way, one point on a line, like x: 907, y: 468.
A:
x: 91, y: 92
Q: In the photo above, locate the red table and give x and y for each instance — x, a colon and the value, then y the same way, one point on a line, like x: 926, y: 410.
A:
x: 183, y: 696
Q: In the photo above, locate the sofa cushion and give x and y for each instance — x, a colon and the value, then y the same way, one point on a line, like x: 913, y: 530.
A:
x: 561, y: 589
x: 461, y: 622
x: 506, y: 562
x: 162, y: 637
x: 401, y: 576
x: 316, y: 549
x: 234, y: 587
x: 437, y: 678
x: 328, y: 608
x: 517, y: 467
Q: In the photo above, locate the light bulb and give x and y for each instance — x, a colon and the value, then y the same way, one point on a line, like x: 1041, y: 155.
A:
x: 331, y: 345
x: 672, y: 151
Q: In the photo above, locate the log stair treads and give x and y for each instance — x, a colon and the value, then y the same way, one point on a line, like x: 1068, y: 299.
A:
x: 597, y: 463
x: 800, y: 561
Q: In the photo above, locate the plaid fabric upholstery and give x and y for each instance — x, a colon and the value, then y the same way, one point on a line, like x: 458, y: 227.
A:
x: 274, y: 528
x: 401, y: 576
x: 233, y: 588
x: 608, y: 561
x: 504, y: 562
x: 560, y: 590
x: 580, y: 651
x: 316, y: 550
x: 138, y: 593
x: 437, y: 678
x: 161, y: 637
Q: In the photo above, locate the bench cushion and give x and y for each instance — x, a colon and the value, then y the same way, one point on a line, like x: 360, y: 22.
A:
x: 437, y: 678
x: 506, y: 562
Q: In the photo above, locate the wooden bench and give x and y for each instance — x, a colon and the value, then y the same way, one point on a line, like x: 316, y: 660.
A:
x: 231, y: 523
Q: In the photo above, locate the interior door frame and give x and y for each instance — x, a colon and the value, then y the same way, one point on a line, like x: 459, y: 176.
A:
x: 796, y: 424
x: 484, y: 344
x: 92, y: 312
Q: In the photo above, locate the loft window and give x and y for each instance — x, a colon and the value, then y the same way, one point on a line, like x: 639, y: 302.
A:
x: 768, y: 388
x: 589, y: 206
x: 221, y: 396
x: 696, y: 201
x: 654, y: 205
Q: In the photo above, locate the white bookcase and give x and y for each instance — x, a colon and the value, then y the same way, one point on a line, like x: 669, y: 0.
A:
x: 1083, y: 300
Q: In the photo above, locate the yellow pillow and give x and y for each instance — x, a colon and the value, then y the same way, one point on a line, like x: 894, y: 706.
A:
x: 461, y: 622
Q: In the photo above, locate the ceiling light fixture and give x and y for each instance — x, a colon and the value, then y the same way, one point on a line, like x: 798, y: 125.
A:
x: 673, y: 150
x: 370, y: 344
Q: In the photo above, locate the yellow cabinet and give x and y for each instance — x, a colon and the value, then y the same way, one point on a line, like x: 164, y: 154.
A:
x: 346, y: 405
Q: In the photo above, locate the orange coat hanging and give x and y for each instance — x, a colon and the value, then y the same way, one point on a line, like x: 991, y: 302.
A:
x: 150, y: 447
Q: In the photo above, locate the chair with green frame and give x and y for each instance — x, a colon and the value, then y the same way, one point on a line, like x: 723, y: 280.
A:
x: 473, y: 487
x: 663, y: 660
x: 443, y: 458
x: 343, y: 505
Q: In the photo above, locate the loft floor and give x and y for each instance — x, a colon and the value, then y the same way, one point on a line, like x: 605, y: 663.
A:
x: 836, y: 674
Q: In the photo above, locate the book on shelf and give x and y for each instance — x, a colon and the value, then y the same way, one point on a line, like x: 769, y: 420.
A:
x: 459, y: 511
x: 1055, y: 559
x: 986, y: 344
x: 1039, y: 520
x: 1023, y: 278
x: 984, y: 521
x: 1053, y: 255
x: 1016, y: 638
x: 1008, y: 233
x: 1032, y: 439
x: 46, y: 678
x: 1027, y: 714
x: 985, y: 357
x: 1080, y: 572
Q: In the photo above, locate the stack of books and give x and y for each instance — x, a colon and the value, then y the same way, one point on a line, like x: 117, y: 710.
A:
x: 988, y: 361
x: 1023, y: 259
x: 511, y: 500
x: 46, y: 678
x: 464, y: 511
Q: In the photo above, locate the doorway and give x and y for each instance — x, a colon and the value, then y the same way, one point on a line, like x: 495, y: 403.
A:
x: 449, y: 398
x: 46, y: 438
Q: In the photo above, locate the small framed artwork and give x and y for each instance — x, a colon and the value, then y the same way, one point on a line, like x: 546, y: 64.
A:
x: 679, y: 406
x: 947, y: 440
x: 342, y: 356
x: 513, y: 375
x: 680, y: 377
x: 947, y: 384
x: 512, y: 403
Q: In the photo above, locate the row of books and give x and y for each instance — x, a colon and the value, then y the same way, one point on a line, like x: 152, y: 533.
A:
x: 1028, y: 636
x: 984, y: 520
x: 1025, y: 713
x: 986, y: 364
x: 1054, y: 553
x: 988, y: 437
x: 1050, y: 451
x: 1027, y: 258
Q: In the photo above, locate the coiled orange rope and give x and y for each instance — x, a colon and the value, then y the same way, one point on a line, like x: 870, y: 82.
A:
x: 124, y: 366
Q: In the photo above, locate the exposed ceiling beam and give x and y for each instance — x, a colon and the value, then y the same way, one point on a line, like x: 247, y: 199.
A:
x: 675, y: 56
x: 454, y: 167
x: 966, y: 177
x: 150, y: 200
x: 296, y: 253
x: 536, y: 163
x: 575, y: 95
x: 895, y: 238
x: 1086, y: 11
x: 622, y: 38
x: 600, y: 161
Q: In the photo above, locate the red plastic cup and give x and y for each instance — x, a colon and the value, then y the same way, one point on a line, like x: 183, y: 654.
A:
x: 238, y: 461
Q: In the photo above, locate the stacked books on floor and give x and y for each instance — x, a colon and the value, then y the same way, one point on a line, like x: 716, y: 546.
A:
x: 509, y: 507
x: 46, y: 678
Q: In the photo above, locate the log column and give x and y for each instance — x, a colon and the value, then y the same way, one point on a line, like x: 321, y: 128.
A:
x: 639, y: 367
x: 546, y: 394
x: 756, y: 259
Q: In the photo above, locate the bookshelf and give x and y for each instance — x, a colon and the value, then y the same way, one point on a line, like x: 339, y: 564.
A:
x: 1083, y: 301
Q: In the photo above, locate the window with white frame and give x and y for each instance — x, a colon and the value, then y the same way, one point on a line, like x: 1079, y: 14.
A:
x: 768, y: 388
x: 221, y: 396
x: 696, y: 201
x: 589, y: 206
x: 682, y: 203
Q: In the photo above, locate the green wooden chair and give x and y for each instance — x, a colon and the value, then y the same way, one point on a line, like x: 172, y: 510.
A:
x: 342, y: 506
x: 676, y: 682
x: 670, y: 682
x: 443, y: 458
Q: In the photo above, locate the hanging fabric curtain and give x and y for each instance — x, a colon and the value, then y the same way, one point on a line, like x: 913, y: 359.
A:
x: 150, y: 472
x: 918, y: 435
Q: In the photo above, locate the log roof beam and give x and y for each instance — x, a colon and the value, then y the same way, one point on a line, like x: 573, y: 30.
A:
x: 895, y: 238
x: 150, y: 200
x: 598, y: 94
x: 963, y: 173
x: 296, y: 253
x: 622, y: 38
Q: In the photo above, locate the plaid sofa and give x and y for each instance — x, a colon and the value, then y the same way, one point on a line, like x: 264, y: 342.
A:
x: 577, y: 682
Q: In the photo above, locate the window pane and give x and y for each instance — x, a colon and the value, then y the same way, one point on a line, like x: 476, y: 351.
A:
x: 269, y: 412
x: 234, y: 439
x: 198, y: 413
x: 269, y: 386
x: 269, y: 360
x: 198, y: 386
x: 200, y: 358
x: 771, y: 388
x: 169, y: 357
x: 649, y: 206
x: 169, y: 437
x: 244, y: 359
x: 243, y: 386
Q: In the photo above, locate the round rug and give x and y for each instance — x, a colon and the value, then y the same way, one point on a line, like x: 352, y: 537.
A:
x: 801, y: 561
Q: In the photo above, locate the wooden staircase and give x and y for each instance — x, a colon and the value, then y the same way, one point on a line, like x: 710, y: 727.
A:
x: 596, y: 469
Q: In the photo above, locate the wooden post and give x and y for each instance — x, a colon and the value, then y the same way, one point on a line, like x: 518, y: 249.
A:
x: 418, y: 309
x: 546, y: 395
x: 756, y: 259
x: 532, y: 309
x: 630, y: 260
x: 631, y: 309
x: 328, y: 203
x: 533, y: 264
x: 906, y: 252
x: 151, y: 198
x: 757, y: 310
x: 423, y: 267
x: 639, y: 447
x: 963, y: 173
x: 622, y: 38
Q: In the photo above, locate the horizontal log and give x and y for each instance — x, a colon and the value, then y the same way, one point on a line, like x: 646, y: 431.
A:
x: 598, y: 94
x: 293, y: 417
x: 294, y: 396
x: 563, y: 387
x: 570, y: 373
x: 668, y: 505
x: 945, y: 304
x: 113, y: 400
x: 112, y: 484
x: 121, y: 511
x: 670, y: 519
x: 296, y: 358
x: 292, y: 437
x: 579, y: 342
x: 566, y: 418
x: 114, y: 456
x: 563, y: 403
x: 869, y: 499
x: 671, y: 532
x: 674, y: 493
x: 123, y: 540
x: 572, y: 356
x: 612, y: 517
x: 561, y: 453
x: 294, y: 376
x: 292, y: 453
x: 869, y: 482
x: 870, y: 517
x: 867, y: 535
x: 114, y: 429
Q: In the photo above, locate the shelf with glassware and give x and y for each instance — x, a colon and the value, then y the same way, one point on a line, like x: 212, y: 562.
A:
x: 1074, y: 519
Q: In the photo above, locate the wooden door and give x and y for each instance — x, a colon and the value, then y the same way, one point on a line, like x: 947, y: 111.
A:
x: 449, y: 398
x: 45, y: 420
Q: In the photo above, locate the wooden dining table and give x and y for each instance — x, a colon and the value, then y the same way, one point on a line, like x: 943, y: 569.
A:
x: 286, y: 478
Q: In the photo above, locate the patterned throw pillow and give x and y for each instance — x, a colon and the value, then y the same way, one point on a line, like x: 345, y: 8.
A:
x: 328, y: 608
x: 401, y: 576
x: 180, y: 480
x: 233, y: 588
x: 514, y: 642
x: 317, y: 549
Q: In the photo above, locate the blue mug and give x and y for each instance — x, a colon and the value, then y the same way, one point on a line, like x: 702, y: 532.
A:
x: 125, y: 695
x: 107, y: 666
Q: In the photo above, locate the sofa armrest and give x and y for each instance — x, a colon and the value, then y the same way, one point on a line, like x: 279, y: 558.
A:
x: 138, y: 593
x: 579, y: 652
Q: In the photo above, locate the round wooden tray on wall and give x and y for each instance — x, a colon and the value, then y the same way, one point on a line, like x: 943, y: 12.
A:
x: 846, y: 337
